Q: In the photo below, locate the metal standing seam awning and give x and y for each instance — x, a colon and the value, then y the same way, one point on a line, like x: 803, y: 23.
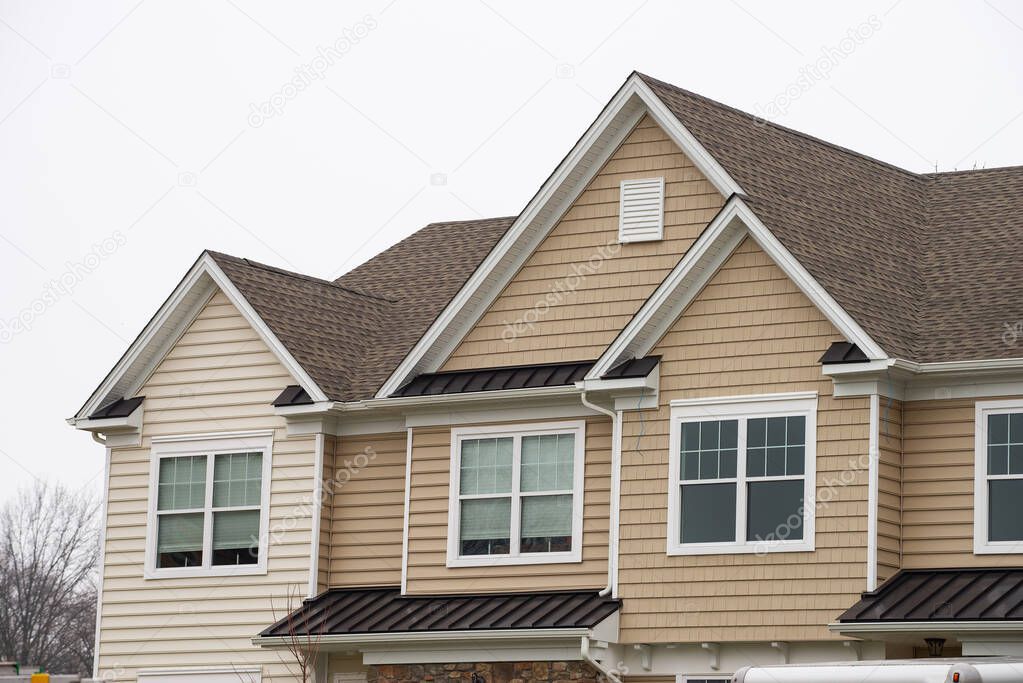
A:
x: 939, y: 601
x: 363, y: 614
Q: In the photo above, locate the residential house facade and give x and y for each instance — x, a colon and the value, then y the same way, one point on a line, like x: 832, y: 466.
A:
x: 722, y: 394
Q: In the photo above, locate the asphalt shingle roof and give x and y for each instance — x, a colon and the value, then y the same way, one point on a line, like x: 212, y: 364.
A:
x: 927, y: 264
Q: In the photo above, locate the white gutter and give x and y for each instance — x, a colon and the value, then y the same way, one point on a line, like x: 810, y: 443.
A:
x: 584, y: 651
x: 432, y: 637
x: 928, y: 627
x: 616, y: 472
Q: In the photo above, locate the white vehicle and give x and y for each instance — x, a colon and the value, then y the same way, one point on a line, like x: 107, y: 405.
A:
x: 959, y: 670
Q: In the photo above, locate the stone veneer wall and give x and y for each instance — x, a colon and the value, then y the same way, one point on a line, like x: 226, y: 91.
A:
x: 496, y: 672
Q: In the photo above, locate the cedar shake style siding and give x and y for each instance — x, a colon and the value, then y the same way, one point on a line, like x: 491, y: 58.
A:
x: 219, y: 377
x: 750, y: 331
x: 786, y: 264
x: 587, y: 317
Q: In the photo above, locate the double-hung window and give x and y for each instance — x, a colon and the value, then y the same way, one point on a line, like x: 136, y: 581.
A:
x: 742, y: 474
x: 516, y: 494
x: 209, y: 502
x: 998, y: 486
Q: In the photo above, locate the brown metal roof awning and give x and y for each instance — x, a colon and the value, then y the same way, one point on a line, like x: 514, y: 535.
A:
x: 942, y: 595
x: 354, y: 611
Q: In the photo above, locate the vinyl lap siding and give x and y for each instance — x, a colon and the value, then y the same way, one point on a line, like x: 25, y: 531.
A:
x: 750, y: 331
x: 889, y: 489
x: 368, y: 510
x: 219, y: 377
x: 428, y: 524
x: 587, y: 314
x: 938, y: 439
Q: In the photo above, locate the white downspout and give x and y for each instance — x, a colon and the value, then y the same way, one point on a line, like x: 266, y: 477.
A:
x: 873, y: 474
x: 616, y: 479
x: 584, y: 650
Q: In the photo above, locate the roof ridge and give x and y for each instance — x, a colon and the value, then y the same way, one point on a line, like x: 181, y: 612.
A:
x: 785, y: 129
x: 967, y: 171
x: 435, y: 224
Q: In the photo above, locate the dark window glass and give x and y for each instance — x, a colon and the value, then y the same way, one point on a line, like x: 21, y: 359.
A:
x: 708, y: 513
x: 997, y: 459
x: 709, y: 450
x: 1005, y: 510
x: 191, y: 558
x: 774, y: 510
x: 997, y: 429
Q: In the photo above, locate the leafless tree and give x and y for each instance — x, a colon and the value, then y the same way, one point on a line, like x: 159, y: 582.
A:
x: 49, y: 550
x: 301, y: 646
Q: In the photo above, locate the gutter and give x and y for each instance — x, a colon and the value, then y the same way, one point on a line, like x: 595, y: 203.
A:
x: 430, y: 637
x: 867, y: 627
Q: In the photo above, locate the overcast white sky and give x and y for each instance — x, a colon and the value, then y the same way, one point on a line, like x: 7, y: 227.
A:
x: 132, y: 137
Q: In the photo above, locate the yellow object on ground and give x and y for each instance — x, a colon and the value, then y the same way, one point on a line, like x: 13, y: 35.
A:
x: 40, y: 678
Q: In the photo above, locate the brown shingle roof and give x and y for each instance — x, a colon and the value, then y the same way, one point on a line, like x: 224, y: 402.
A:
x: 350, y: 334
x: 925, y: 263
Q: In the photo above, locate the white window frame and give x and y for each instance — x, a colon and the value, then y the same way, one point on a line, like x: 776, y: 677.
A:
x: 742, y: 408
x: 209, y: 445
x: 981, y: 544
x: 516, y: 432
x: 689, y: 678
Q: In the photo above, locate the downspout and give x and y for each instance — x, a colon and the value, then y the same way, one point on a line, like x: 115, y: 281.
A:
x: 616, y: 479
x: 873, y: 467
x: 584, y: 650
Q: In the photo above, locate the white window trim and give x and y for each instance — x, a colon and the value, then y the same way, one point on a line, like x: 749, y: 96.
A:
x: 981, y: 544
x: 741, y: 408
x: 209, y: 445
x: 454, y: 558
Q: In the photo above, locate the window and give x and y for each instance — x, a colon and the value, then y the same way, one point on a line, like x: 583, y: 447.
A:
x: 742, y: 474
x: 209, y: 505
x: 641, y: 210
x: 998, y: 488
x: 516, y: 495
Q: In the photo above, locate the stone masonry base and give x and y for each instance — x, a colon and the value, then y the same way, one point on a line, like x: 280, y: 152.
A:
x: 496, y: 672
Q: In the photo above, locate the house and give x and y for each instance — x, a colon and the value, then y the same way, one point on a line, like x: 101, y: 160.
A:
x: 721, y: 394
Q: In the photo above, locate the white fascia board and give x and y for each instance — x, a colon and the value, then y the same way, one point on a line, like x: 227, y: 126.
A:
x: 391, y: 639
x: 699, y: 264
x: 583, y: 162
x: 167, y: 326
x: 927, y: 627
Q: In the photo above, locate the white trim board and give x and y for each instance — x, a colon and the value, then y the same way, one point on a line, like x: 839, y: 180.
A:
x: 733, y: 223
x: 583, y: 162
x: 170, y: 322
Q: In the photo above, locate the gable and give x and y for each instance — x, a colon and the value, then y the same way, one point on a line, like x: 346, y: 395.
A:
x: 580, y: 286
x: 750, y: 329
x: 219, y: 369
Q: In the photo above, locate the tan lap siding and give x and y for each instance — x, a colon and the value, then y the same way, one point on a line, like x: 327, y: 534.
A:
x: 889, y: 489
x: 368, y: 510
x: 938, y: 486
x: 586, y: 313
x: 428, y: 524
x: 329, y: 486
x: 749, y: 332
x: 219, y: 378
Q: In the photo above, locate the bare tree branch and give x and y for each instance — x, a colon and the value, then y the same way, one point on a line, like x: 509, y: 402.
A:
x: 49, y: 552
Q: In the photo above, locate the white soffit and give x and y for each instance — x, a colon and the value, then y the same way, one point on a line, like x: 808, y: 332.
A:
x: 577, y: 169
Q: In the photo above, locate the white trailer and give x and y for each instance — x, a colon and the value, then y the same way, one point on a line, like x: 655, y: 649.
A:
x: 958, y: 670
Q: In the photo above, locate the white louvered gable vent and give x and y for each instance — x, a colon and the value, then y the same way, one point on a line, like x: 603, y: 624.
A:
x: 641, y: 210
